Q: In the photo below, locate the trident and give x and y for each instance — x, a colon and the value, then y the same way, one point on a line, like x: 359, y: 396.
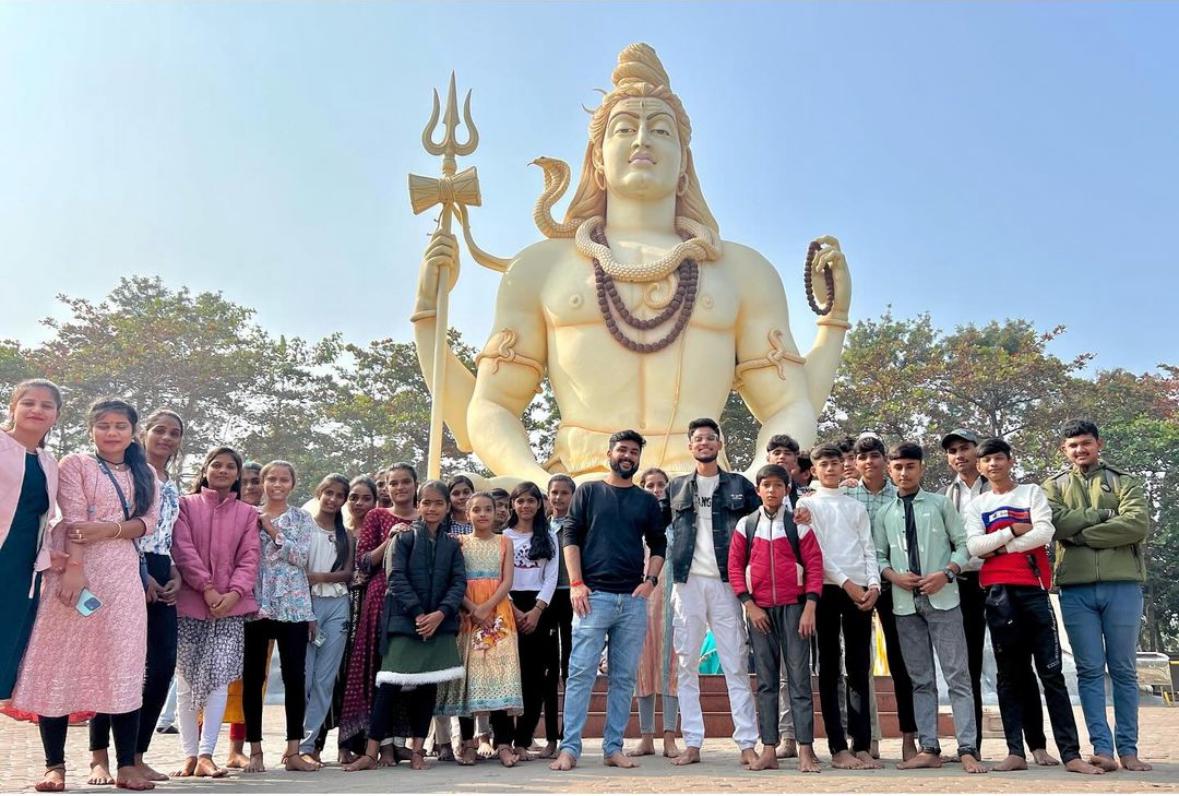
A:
x: 455, y: 192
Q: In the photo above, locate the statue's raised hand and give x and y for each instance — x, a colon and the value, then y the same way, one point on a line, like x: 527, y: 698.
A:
x: 830, y: 255
x: 442, y: 251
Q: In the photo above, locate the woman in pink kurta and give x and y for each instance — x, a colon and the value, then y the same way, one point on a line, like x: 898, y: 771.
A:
x: 96, y: 662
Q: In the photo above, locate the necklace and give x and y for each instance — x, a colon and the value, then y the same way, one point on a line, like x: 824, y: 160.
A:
x: 116, y: 465
x: 686, y: 274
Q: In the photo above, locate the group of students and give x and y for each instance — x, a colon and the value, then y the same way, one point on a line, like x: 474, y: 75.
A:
x: 395, y: 605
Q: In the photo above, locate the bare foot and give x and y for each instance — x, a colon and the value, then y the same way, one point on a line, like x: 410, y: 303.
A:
x: 237, y: 759
x: 808, y: 763
x: 402, y: 753
x: 345, y: 756
x: 387, y: 757
x: 550, y: 751
x: 417, y: 760
x: 868, y: 759
x: 205, y: 767
x: 188, y: 769
x: 100, y: 774
x: 690, y: 755
x: 53, y: 781
x: 846, y: 760
x: 314, y: 758
x: 619, y: 760
x: 129, y: 778
x: 1042, y: 758
x: 787, y: 749
x: 467, y: 756
x: 766, y: 761
x: 1132, y: 763
x: 972, y: 765
x: 256, y: 765
x: 363, y: 763
x: 298, y: 762
x: 507, y: 758
x: 1104, y: 762
x: 150, y: 773
x: 486, y: 750
x: 564, y: 762
x: 1079, y: 766
x: 1012, y: 763
x: 921, y: 760
x: 522, y: 754
x: 748, y: 757
x: 908, y: 746
x: 670, y: 748
x: 646, y: 747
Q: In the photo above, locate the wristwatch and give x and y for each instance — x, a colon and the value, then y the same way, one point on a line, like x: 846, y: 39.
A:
x: 951, y: 576
x: 652, y: 579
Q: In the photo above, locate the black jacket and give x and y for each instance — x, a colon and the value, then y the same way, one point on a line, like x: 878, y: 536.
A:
x: 418, y: 585
x: 734, y: 498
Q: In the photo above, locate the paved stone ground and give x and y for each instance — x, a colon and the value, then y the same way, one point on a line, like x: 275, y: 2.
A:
x: 718, y: 773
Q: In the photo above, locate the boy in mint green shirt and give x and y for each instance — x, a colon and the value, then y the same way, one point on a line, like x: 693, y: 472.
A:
x: 921, y: 548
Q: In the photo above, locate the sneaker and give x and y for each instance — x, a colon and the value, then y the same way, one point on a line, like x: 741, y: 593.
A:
x: 168, y: 730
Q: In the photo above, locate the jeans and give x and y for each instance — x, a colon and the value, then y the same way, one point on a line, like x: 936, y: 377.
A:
x: 621, y: 620
x: 902, y: 685
x: 291, y: 638
x: 1103, y: 620
x: 1023, y: 628
x: 322, y: 665
x: 922, y: 633
x: 782, y: 642
x: 168, y: 714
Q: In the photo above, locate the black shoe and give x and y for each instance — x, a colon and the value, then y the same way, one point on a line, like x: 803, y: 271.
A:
x: 169, y: 730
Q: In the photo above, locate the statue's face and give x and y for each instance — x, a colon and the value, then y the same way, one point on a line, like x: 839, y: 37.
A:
x: 641, y: 153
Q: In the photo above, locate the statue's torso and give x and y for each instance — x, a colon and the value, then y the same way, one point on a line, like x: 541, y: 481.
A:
x: 602, y: 387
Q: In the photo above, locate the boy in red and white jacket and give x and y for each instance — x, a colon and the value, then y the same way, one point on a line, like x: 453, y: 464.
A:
x: 1008, y: 527
x: 776, y: 571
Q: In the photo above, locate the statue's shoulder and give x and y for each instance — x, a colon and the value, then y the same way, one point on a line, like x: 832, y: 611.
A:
x: 541, y: 256
x: 741, y: 260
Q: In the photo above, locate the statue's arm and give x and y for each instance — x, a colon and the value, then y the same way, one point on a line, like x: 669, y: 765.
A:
x: 510, y: 370
x: 770, y: 375
x: 823, y: 359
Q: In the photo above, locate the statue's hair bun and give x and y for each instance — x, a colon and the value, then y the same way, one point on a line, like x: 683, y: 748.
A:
x: 638, y: 63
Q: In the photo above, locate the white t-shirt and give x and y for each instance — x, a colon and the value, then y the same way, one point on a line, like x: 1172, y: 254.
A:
x: 704, y: 556
x: 321, y: 558
x: 539, y: 576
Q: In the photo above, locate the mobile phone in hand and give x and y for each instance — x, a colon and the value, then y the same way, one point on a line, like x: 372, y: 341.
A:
x: 87, y: 603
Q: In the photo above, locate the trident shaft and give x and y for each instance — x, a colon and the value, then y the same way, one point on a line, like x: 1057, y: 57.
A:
x: 455, y: 191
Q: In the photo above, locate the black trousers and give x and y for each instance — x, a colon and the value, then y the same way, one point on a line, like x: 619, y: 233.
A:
x: 902, y: 685
x: 503, y: 730
x: 125, y: 726
x: 291, y: 640
x: 537, y: 650
x: 836, y: 614
x: 417, y: 703
x: 557, y: 668
x: 972, y: 598
x: 1023, y: 629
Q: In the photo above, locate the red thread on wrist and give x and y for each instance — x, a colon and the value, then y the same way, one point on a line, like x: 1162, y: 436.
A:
x: 577, y: 583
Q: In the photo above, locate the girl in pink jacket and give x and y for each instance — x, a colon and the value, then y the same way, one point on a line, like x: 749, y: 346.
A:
x: 215, y: 548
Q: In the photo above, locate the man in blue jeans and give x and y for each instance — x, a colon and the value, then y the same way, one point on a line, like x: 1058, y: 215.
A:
x: 603, y: 546
x: 1101, y: 521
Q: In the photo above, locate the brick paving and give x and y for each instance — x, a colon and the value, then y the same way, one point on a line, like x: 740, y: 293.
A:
x: 719, y: 772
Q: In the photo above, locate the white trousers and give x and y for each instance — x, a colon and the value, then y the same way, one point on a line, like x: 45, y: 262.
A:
x: 698, y: 605
x: 202, y: 741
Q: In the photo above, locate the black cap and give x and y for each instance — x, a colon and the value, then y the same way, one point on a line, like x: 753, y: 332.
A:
x: 963, y: 434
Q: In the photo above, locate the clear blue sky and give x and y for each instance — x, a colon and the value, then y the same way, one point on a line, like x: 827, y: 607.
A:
x: 978, y: 160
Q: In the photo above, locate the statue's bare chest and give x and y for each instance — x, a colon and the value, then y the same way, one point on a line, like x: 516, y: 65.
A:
x: 571, y: 298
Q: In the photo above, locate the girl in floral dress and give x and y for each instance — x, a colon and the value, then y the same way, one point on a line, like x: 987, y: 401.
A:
x: 284, y: 615
x: 487, y: 637
x: 89, y: 644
